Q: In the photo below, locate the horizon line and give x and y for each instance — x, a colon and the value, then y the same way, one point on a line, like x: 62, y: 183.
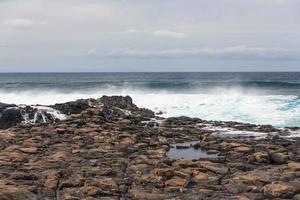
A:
x: 48, y: 72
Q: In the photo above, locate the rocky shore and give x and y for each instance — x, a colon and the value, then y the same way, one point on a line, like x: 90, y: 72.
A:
x: 108, y: 148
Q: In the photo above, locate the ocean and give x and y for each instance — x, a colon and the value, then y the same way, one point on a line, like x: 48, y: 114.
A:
x: 252, y: 97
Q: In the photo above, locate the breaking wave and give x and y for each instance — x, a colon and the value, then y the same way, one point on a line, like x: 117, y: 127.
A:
x: 219, y: 104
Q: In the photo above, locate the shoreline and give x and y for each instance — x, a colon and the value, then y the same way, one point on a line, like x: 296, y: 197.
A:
x: 44, y: 114
x: 110, y: 149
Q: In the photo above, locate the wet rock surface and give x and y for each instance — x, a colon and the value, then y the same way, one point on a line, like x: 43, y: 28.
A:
x: 111, y: 149
x: 11, y: 115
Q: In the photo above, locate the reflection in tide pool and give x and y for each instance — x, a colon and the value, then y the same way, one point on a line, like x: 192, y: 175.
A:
x: 186, y: 151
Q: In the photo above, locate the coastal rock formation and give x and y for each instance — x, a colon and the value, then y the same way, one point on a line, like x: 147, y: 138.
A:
x: 108, y: 148
x: 11, y: 115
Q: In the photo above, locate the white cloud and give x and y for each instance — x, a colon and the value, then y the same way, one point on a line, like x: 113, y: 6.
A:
x: 157, y: 33
x: 22, y: 23
x: 232, y: 52
x: 166, y: 33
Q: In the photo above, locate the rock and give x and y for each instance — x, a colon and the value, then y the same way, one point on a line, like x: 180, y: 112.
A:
x: 52, y: 179
x: 23, y: 176
x: 256, y: 178
x: 231, y: 145
x: 243, y: 149
x: 205, y: 178
x: 296, y: 197
x: 212, y: 151
x: 278, y: 158
x: 30, y: 150
x: 15, y: 192
x: 74, y: 107
x: 242, y: 197
x: 294, y: 166
x: 118, y: 101
x: 262, y: 157
x: 107, y: 151
x: 277, y: 190
x: 138, y: 168
x: 177, y: 182
x: 182, y: 146
x: 10, y: 117
x: 74, y: 181
x: 59, y: 156
x: 165, y: 172
x: 107, y: 185
x: 214, y: 167
x: 147, y: 195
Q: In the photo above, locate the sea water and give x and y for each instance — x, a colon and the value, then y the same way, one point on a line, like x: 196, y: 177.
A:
x: 256, y: 97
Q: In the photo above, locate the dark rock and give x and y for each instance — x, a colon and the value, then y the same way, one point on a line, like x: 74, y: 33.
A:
x: 10, y: 117
x: 118, y: 101
x: 74, y: 107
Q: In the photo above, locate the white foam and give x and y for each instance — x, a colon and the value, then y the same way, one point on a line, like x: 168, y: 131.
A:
x: 235, y: 105
x: 54, y: 113
x: 272, y: 110
x: 41, y: 110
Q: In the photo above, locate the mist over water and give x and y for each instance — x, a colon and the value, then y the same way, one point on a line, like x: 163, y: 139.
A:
x: 260, y: 98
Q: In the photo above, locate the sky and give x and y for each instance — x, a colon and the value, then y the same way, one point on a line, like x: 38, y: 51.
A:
x: 149, y: 35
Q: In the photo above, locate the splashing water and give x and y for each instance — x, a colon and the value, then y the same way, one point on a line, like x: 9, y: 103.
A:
x: 260, y: 98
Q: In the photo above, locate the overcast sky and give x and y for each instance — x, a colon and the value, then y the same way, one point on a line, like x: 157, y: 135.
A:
x: 149, y: 35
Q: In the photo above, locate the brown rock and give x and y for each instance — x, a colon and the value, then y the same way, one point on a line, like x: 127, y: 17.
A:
x: 214, y: 167
x: 278, y: 158
x: 138, y: 168
x: 229, y: 145
x: 58, y: 156
x: 254, y: 178
x: 23, y: 176
x: 294, y: 165
x: 262, y: 157
x: 106, y: 184
x: 242, y: 197
x: 15, y: 192
x: 74, y: 181
x: 205, y: 178
x: 30, y: 150
x: 147, y: 195
x: 165, y: 172
x: 51, y: 180
x: 279, y: 190
x: 243, y: 149
x: 177, y: 182
x: 296, y: 197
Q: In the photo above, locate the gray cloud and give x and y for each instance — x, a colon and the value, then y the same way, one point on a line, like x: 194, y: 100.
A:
x: 41, y: 33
